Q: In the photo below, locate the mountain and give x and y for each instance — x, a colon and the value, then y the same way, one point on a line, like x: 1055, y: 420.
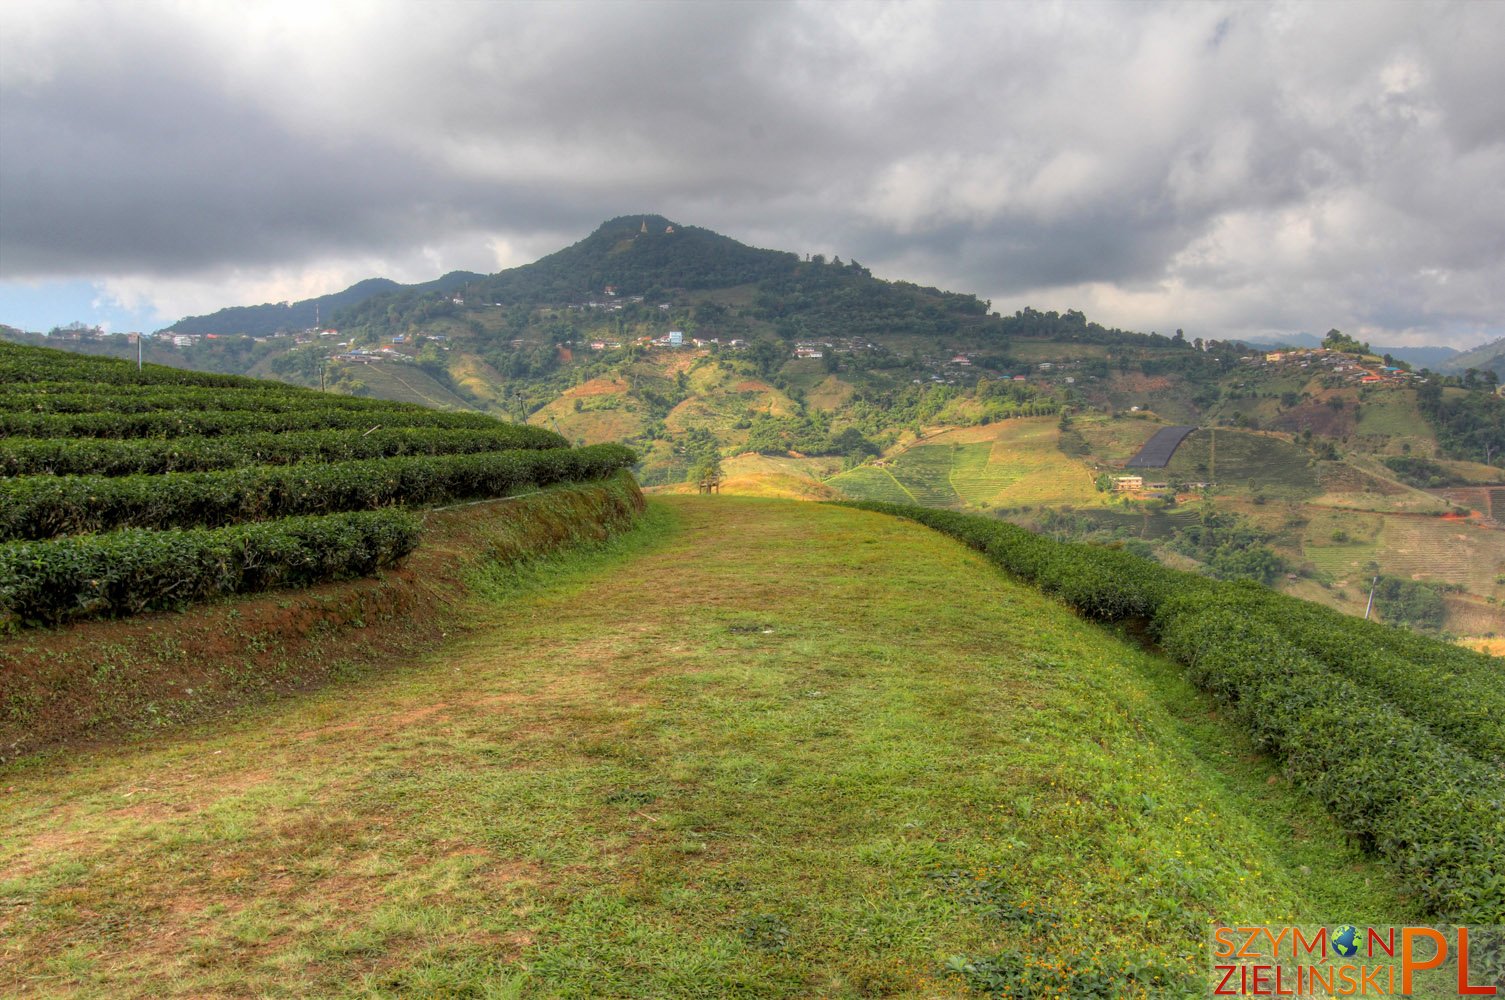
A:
x: 636, y: 255
x: 1284, y: 340
x: 803, y: 376
x: 1489, y: 357
x: 667, y: 264
x: 275, y: 317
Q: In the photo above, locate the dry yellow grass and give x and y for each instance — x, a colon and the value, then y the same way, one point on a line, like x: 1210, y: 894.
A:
x: 476, y: 377
x: 594, y: 423
x: 1493, y: 645
x: 829, y: 395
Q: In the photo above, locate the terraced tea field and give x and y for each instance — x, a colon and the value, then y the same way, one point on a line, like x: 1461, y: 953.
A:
x: 975, y: 477
x: 1008, y: 464
x: 1240, y: 459
x: 131, y: 490
x: 925, y: 472
x: 869, y: 482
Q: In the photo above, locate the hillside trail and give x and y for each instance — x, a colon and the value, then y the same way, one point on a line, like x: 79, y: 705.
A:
x: 720, y: 763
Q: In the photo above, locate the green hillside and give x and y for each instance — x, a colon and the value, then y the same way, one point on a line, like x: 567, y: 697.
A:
x: 1488, y: 357
x: 795, y: 359
x: 405, y: 383
x: 764, y: 749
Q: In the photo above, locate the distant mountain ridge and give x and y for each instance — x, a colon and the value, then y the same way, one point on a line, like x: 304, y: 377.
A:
x: 272, y: 317
x: 1489, y: 356
x: 658, y: 264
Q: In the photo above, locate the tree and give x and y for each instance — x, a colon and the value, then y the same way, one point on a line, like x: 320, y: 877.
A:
x: 1337, y: 340
x: 766, y: 355
x: 707, y: 474
x: 1406, y: 602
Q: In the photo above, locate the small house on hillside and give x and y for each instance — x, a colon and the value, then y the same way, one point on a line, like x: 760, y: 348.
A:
x: 1126, y: 484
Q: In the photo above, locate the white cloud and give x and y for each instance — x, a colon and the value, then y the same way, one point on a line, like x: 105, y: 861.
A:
x: 1238, y: 167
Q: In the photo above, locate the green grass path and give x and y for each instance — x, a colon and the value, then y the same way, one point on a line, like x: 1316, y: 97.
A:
x: 759, y: 748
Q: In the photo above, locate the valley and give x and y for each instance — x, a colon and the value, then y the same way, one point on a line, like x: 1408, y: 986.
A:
x: 813, y: 379
x: 315, y: 693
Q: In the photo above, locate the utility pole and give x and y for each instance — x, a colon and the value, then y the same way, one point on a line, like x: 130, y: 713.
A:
x: 1370, y: 606
x: 138, y: 352
x: 321, y: 378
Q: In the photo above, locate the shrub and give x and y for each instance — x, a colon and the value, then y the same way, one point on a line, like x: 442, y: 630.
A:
x: 106, y: 457
x: 35, y: 507
x: 1402, y: 737
x: 124, y: 572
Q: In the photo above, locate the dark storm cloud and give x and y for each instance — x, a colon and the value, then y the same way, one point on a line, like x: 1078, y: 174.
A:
x: 1239, y: 167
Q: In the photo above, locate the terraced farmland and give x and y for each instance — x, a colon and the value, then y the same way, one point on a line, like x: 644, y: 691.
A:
x: 406, y: 383
x: 1442, y: 550
x: 926, y: 473
x: 1009, y: 464
x: 1149, y: 526
x: 976, y: 478
x: 1240, y: 459
x: 1027, y: 451
x: 868, y: 482
x: 124, y: 531
x: 1430, y: 549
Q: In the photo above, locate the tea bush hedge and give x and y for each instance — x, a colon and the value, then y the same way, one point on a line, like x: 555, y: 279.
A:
x: 78, y: 398
x: 175, y: 423
x: 1395, y: 735
x: 124, y: 572
x: 22, y: 363
x: 36, y: 507
x: 152, y: 456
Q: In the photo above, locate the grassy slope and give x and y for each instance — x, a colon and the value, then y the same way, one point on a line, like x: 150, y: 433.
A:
x: 1008, y: 463
x: 407, y: 384
x: 99, y: 679
x: 726, y: 758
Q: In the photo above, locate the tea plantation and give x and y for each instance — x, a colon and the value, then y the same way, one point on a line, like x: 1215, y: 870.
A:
x: 128, y: 490
x: 1400, y: 736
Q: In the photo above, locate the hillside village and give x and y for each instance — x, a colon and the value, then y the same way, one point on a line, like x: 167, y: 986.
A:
x: 1345, y: 368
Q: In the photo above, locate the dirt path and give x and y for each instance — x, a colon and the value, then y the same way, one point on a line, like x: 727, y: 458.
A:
x: 735, y: 761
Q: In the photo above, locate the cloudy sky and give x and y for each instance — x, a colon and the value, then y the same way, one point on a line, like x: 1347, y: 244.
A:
x: 1227, y: 169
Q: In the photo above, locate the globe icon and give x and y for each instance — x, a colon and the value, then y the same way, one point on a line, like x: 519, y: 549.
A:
x: 1346, y: 940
